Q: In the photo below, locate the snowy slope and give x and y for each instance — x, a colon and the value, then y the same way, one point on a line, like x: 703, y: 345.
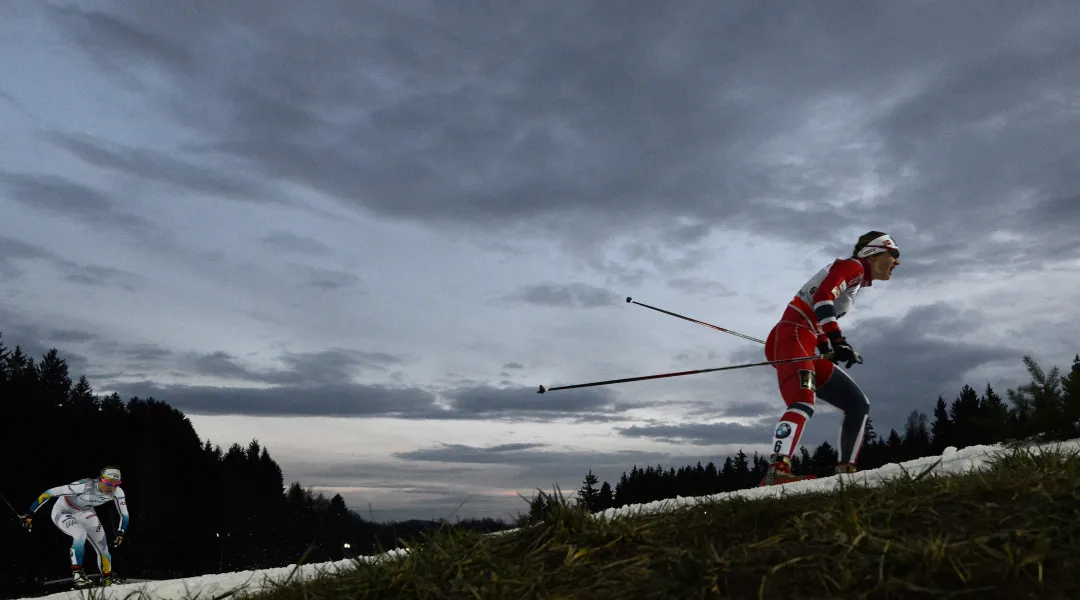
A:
x: 206, y: 586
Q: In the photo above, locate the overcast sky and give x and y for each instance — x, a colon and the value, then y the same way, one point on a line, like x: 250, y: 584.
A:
x: 365, y: 232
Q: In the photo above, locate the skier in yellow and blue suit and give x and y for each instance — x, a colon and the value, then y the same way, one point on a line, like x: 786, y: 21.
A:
x: 73, y: 513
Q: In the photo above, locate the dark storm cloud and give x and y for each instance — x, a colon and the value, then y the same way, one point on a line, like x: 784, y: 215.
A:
x: 285, y: 240
x: 221, y: 364
x: 686, y: 234
x: 596, y: 118
x: 700, y: 285
x: 96, y: 275
x: 337, y: 364
x: 144, y: 353
x: 97, y: 356
x: 748, y: 409
x: 573, y: 295
x: 110, y: 351
x: 72, y: 335
x: 693, y: 356
x: 524, y: 403
x: 323, y: 367
x: 81, y: 203
x: 320, y: 384
x: 12, y: 251
x: 1057, y: 220
x: 16, y: 330
x: 31, y: 331
x: 502, y: 101
x: 460, y: 453
x: 380, y: 474
x: 703, y: 434
x: 308, y: 394
x: 17, y: 336
x: 327, y: 279
x: 537, y: 458
x: 9, y: 99
x: 160, y: 167
x: 598, y: 418
x: 983, y: 141
x: 107, y: 38
x: 666, y: 258
x: 331, y: 400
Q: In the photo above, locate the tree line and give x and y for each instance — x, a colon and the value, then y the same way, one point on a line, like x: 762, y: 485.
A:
x: 1046, y: 408
x: 195, y: 508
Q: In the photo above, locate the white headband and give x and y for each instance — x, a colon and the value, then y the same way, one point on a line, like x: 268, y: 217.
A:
x: 877, y: 246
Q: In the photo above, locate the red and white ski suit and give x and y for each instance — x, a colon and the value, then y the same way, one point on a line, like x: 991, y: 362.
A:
x: 811, y: 315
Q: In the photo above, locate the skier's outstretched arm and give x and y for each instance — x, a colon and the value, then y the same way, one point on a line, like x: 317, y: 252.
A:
x: 71, y: 489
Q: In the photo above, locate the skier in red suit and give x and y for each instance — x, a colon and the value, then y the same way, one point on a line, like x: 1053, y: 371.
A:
x: 811, y: 321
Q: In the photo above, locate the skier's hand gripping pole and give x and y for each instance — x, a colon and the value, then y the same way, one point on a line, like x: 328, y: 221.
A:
x: 25, y: 520
x: 681, y: 373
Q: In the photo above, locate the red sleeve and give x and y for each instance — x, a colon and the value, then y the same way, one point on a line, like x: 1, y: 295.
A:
x: 842, y: 274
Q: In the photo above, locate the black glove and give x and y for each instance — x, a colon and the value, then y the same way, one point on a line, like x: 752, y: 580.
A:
x: 823, y: 346
x: 27, y: 521
x: 119, y: 538
x: 842, y: 350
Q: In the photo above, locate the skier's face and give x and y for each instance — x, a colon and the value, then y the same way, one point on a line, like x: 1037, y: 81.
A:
x: 106, y: 487
x: 882, y: 265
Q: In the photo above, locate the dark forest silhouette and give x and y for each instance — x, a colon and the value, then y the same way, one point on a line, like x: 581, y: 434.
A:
x: 197, y: 509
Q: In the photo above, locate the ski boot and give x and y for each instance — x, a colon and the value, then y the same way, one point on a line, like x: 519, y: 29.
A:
x: 79, y: 579
x: 843, y: 468
x: 779, y: 472
x: 106, y: 579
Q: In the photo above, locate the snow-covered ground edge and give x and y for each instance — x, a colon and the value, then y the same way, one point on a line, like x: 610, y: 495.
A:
x: 951, y: 462
x: 209, y: 586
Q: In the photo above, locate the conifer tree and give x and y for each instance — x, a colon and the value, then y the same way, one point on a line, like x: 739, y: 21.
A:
x: 588, y: 494
x: 941, y: 431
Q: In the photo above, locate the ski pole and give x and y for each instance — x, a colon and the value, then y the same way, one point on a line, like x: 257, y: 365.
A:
x: 4, y: 498
x: 630, y: 300
x: 681, y: 373
x: 18, y: 514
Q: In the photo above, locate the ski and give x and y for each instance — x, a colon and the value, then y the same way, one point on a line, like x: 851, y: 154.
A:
x: 94, y: 578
